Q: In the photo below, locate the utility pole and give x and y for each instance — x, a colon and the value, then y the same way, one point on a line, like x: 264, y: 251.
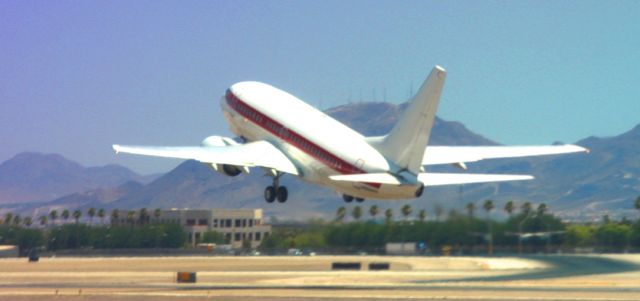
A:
x: 520, y: 233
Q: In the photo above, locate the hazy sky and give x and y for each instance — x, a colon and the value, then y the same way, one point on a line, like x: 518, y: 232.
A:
x: 78, y: 76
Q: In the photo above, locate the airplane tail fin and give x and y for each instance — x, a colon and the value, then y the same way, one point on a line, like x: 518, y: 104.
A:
x: 406, y: 143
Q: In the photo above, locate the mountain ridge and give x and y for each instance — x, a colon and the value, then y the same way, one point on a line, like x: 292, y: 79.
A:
x: 33, y: 177
x: 575, y: 186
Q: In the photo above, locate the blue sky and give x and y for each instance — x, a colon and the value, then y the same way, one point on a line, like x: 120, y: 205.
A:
x: 78, y: 76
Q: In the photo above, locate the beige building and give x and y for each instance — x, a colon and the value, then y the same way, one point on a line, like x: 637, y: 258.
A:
x: 236, y: 225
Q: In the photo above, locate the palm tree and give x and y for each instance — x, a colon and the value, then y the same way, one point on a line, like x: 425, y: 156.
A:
x: 341, y: 213
x: 422, y: 215
x: 43, y: 220
x: 356, y: 213
x: 143, y: 216
x: 471, y: 208
x: 637, y: 204
x: 406, y: 211
x: 131, y: 217
x: 157, y: 213
x: 488, y: 206
x: 542, y: 209
x: 373, y: 211
x: 388, y: 215
x: 115, y: 215
x: 65, y: 215
x: 53, y: 215
x: 8, y: 218
x: 28, y: 221
x: 439, y: 211
x: 91, y: 212
x: 17, y: 220
x: 101, y: 215
x: 526, y: 208
x: 509, y: 207
x: 76, y: 215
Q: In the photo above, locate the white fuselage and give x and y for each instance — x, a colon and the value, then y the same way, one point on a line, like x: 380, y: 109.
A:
x: 319, y: 145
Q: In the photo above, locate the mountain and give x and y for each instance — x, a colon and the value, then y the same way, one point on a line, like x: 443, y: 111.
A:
x: 377, y: 118
x: 576, y: 186
x: 606, y: 181
x: 96, y: 198
x: 35, y: 177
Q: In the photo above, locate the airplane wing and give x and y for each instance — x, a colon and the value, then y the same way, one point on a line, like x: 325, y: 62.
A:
x: 259, y: 153
x: 461, y: 154
x: 430, y: 179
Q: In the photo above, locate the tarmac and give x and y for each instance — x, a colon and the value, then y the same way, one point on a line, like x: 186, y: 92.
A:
x: 543, y: 277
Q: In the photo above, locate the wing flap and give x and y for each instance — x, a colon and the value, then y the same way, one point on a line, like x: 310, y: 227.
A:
x: 378, y: 178
x: 259, y: 153
x: 458, y: 154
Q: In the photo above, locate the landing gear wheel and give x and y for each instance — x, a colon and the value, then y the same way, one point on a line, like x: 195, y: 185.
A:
x: 347, y: 198
x: 282, y: 194
x: 359, y: 200
x: 269, y: 194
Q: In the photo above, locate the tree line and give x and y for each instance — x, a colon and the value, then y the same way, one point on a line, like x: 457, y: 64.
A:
x: 528, y: 228
x: 136, y: 232
x: 132, y: 216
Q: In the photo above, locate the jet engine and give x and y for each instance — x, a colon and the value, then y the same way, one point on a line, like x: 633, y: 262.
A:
x: 230, y: 170
x: 225, y: 169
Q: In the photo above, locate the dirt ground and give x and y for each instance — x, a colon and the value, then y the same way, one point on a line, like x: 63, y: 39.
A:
x: 554, y: 277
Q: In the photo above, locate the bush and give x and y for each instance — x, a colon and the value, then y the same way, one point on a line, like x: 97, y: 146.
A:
x: 613, y: 237
x: 212, y: 237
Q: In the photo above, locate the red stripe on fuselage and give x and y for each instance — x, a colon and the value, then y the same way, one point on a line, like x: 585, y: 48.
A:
x: 293, y: 138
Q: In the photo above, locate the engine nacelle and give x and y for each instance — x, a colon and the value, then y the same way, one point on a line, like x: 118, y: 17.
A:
x: 231, y: 170
x: 225, y: 169
x: 218, y: 141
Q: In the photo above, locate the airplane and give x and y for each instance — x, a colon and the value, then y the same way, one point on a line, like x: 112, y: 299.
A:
x: 284, y: 135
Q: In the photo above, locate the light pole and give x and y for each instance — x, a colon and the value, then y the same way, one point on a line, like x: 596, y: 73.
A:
x: 520, y: 232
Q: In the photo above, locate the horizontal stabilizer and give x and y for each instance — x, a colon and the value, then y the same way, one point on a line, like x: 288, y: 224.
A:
x: 438, y: 179
x: 430, y: 179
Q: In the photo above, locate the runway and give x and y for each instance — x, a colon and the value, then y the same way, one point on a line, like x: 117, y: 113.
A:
x: 553, y: 277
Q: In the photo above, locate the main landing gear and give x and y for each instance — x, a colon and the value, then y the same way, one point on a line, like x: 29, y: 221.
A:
x: 420, y: 190
x: 275, y: 191
x: 347, y: 198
